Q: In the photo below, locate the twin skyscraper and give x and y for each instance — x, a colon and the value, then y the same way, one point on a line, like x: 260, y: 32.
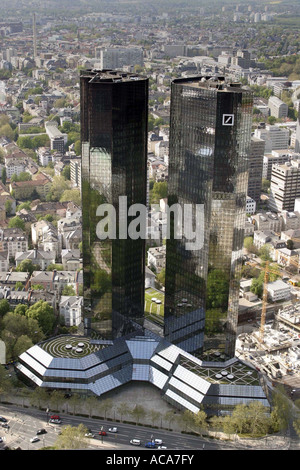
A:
x: 210, y: 132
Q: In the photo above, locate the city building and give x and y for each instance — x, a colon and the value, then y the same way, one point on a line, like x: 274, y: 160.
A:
x: 250, y: 205
x: 75, y: 172
x: 70, y: 308
x: 275, y: 138
x: 285, y: 186
x: 279, y: 290
x: 256, y: 158
x: 278, y: 108
x: 210, y: 132
x: 114, y: 116
x: 117, y: 57
x: 58, y: 140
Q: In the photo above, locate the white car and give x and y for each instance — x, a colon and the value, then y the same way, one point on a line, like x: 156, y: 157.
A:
x: 135, y: 442
x: 162, y: 447
x: 34, y: 439
x: 89, y: 434
x: 114, y: 429
x: 158, y: 442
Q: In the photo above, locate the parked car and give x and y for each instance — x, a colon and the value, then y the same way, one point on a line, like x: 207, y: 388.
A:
x: 55, y: 421
x: 162, y: 447
x: 41, y: 431
x: 34, y: 439
x: 3, y: 420
x: 89, y: 434
x: 1, y: 440
x: 55, y: 417
x: 114, y: 429
x: 102, y: 433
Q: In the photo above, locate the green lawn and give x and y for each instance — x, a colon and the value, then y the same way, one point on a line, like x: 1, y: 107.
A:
x: 151, y: 307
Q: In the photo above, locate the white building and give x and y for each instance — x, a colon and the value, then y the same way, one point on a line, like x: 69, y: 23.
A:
x: 44, y: 156
x: 278, y: 108
x: 279, y: 290
x: 250, y: 205
x: 70, y: 308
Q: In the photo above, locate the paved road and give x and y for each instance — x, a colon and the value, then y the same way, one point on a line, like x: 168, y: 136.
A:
x: 24, y: 423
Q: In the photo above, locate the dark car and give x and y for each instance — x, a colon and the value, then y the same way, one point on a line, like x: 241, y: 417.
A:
x: 41, y: 431
x: 3, y: 420
x: 102, y: 433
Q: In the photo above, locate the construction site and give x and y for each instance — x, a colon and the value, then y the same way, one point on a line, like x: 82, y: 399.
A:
x: 274, y: 347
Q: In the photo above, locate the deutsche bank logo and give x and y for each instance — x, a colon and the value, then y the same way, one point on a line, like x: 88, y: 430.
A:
x: 228, y: 119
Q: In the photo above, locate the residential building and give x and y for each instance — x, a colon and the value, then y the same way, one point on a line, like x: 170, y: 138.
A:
x: 70, y: 308
x: 114, y: 116
x: 157, y: 257
x: 71, y: 259
x: 250, y: 205
x: 44, y: 156
x: 4, y: 261
x: 210, y: 133
x: 39, y: 257
x: 13, y: 240
x: 24, y: 190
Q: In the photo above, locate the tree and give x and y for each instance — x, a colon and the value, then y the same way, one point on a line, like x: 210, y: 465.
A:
x: 138, y: 412
x: 123, y: 410
x: 16, y: 222
x: 106, y: 405
x: 77, y: 147
x: 27, y: 266
x: 71, y: 195
x: 257, y: 286
x: 72, y: 438
x: 159, y: 191
x: 44, y: 314
x: 5, y: 384
x: 4, y: 307
x: 58, y: 186
x: 68, y: 290
x: 161, y: 277
x: 248, y: 244
x: 3, y: 176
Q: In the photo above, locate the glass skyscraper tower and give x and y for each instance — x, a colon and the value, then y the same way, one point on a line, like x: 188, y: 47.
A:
x: 114, y: 116
x: 210, y: 132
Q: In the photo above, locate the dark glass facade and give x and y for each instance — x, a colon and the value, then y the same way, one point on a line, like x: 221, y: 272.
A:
x: 114, y: 115
x: 210, y: 132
